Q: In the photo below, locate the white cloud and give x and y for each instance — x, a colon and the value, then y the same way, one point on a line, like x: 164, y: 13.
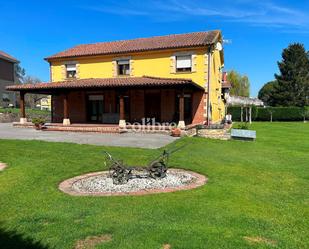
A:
x: 263, y: 13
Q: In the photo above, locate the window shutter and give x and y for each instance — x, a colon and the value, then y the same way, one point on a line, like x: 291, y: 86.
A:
x: 71, y: 67
x: 183, y: 61
x: 123, y: 62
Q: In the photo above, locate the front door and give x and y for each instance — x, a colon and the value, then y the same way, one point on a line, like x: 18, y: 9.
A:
x: 153, y: 105
x: 95, y: 108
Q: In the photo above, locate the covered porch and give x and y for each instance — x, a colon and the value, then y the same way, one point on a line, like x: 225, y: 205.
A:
x: 94, y: 104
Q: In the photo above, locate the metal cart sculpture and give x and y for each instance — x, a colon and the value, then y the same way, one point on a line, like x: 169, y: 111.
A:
x: 121, y: 173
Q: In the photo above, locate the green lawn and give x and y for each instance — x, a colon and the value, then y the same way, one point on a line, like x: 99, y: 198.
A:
x: 255, y: 189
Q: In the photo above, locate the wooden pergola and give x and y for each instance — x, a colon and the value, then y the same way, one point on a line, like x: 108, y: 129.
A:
x: 245, y: 104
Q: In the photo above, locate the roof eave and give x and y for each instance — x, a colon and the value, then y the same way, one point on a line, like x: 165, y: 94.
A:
x: 51, y: 58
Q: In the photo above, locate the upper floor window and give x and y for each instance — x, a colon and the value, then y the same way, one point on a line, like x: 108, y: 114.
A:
x: 183, y: 63
x: 123, y: 67
x: 71, y: 70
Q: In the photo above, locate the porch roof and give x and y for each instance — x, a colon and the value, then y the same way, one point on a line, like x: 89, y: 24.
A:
x: 93, y: 83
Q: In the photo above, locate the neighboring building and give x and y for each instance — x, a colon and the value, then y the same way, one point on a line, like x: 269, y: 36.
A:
x: 166, y: 77
x: 7, y: 77
x: 44, y: 103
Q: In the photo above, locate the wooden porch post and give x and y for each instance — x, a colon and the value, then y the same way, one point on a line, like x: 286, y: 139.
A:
x: 23, y: 118
x: 122, y: 121
x: 66, y: 119
x: 181, y: 123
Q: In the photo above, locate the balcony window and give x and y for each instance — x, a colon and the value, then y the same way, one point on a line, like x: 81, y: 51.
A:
x: 183, y: 63
x: 71, y: 71
x: 123, y: 67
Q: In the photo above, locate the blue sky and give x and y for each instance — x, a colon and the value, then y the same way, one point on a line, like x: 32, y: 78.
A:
x: 256, y: 31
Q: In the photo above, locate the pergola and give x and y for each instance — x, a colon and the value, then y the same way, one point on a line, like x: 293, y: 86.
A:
x: 246, y: 104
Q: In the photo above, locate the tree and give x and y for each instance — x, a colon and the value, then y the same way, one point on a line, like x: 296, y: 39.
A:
x: 19, y: 73
x: 266, y: 94
x: 31, y: 99
x: 293, y: 80
x: 240, y: 84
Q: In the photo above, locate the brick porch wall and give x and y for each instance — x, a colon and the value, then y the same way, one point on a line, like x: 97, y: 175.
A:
x: 137, y: 107
x: 78, y: 111
x: 198, y: 110
x: 77, y: 108
x: 168, y: 105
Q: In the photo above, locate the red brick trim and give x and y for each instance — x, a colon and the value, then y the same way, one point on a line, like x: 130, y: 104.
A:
x: 66, y: 185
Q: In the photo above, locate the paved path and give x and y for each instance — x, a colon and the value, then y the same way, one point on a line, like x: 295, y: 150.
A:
x: 151, y: 141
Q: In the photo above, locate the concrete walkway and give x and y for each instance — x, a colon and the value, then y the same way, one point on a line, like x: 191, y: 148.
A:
x: 150, y: 141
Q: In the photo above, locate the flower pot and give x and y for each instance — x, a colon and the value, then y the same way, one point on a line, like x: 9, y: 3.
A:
x: 176, y: 132
x: 38, y: 126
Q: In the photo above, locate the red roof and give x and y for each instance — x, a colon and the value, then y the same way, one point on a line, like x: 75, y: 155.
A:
x: 226, y: 85
x: 6, y: 56
x: 195, y: 39
x: 104, y: 83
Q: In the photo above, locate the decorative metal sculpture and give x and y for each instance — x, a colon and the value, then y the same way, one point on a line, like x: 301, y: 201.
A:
x: 121, y: 173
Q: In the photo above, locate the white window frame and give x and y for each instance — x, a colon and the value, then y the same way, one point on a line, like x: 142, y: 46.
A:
x: 183, y: 62
x: 125, y: 61
x: 71, y: 68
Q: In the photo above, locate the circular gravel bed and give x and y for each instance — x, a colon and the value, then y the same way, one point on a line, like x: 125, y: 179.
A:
x: 99, y: 183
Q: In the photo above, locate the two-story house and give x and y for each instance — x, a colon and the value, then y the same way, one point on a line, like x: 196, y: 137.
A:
x: 7, y: 77
x: 173, y: 78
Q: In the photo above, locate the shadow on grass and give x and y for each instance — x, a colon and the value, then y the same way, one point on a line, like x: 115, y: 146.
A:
x: 13, y: 240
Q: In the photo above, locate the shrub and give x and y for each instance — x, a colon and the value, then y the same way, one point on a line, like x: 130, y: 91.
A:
x: 274, y: 113
x: 38, y: 121
x: 242, y: 126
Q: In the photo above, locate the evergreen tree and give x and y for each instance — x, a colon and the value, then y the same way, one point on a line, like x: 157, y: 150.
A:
x: 293, y: 80
x: 266, y: 94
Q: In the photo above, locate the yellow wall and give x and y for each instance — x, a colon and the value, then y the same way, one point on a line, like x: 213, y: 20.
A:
x: 157, y: 64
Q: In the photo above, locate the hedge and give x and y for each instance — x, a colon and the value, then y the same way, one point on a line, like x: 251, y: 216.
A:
x: 264, y: 114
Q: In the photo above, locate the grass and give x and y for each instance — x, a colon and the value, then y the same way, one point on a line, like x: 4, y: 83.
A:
x: 256, y: 197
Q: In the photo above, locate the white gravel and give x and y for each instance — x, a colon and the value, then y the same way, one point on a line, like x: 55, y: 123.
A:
x: 103, y: 183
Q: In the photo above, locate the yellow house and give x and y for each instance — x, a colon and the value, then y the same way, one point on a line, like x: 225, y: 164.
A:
x: 162, y: 79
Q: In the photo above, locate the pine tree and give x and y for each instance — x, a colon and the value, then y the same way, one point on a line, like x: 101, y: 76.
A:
x: 293, y: 80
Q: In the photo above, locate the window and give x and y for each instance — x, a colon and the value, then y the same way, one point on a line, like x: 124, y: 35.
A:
x: 183, y: 63
x: 123, y: 67
x: 71, y: 70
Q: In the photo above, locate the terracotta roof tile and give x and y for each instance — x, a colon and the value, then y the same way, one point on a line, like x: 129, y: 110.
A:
x: 141, y: 44
x: 7, y: 56
x: 226, y: 85
x: 104, y: 83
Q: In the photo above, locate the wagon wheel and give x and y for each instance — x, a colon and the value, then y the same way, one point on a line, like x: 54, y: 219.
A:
x: 157, y: 170
x: 119, y: 174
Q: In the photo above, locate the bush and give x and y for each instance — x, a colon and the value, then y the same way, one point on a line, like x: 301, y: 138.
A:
x: 242, y: 126
x: 277, y: 113
x: 38, y: 121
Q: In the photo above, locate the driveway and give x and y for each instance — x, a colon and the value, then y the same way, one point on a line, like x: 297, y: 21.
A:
x: 150, y: 141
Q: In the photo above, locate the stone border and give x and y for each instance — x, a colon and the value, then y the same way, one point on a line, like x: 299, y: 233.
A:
x: 2, y: 166
x: 66, y: 186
